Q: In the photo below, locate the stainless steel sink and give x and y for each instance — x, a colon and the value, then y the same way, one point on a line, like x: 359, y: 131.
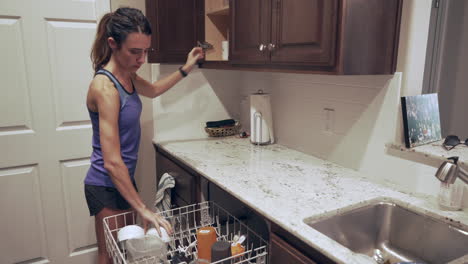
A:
x: 391, y: 233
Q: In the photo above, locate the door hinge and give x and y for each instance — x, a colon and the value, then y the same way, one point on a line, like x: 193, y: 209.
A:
x: 436, y: 3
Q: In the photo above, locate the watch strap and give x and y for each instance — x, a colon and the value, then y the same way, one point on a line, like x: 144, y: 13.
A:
x: 184, y: 73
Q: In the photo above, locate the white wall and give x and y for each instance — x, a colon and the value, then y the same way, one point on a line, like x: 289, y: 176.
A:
x: 413, y: 44
x: 205, y: 95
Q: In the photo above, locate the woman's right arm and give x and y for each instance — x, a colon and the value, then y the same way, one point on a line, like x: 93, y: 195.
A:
x: 152, y: 90
x: 106, y: 98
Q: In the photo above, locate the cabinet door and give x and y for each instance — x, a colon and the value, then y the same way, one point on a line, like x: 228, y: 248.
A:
x: 250, y: 29
x: 184, y: 192
x: 304, y: 32
x: 176, y: 25
x: 281, y: 252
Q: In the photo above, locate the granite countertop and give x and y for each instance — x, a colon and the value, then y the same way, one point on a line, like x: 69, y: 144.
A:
x: 288, y: 186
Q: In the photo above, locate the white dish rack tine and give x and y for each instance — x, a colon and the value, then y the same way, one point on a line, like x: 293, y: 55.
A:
x: 172, y: 243
x: 187, y: 226
x: 194, y: 220
x: 227, y: 226
x: 182, y: 231
x: 218, y: 227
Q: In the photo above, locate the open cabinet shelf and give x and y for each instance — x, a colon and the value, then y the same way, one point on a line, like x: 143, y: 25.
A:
x: 223, y: 11
x: 217, y: 24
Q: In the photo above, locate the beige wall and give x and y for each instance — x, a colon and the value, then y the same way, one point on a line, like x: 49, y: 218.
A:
x: 205, y: 95
x: 413, y: 43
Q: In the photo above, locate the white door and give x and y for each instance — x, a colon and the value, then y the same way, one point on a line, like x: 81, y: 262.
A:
x: 45, y: 130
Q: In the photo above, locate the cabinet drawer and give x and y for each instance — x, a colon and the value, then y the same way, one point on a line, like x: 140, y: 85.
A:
x: 184, y: 192
x: 282, y: 252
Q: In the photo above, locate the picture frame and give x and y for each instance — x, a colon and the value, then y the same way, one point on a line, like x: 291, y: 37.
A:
x: 421, y: 119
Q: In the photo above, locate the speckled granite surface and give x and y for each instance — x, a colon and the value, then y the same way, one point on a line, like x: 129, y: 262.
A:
x: 288, y: 186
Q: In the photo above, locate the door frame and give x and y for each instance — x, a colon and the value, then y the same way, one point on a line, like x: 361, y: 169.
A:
x: 435, y: 46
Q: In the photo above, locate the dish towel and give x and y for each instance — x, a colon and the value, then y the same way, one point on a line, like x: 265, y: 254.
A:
x: 163, y: 195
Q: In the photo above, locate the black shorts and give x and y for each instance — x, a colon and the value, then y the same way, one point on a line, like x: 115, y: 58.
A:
x: 100, y: 197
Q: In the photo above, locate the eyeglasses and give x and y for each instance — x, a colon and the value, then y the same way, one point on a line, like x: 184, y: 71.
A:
x: 452, y: 141
x: 138, y: 52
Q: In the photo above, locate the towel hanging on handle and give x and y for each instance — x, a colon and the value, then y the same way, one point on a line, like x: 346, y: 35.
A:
x: 163, y: 195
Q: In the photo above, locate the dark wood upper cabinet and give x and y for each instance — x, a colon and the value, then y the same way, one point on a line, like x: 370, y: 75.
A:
x: 284, y: 32
x: 177, y: 25
x: 316, y: 36
x: 304, y: 32
x: 249, y: 32
x: 370, y: 31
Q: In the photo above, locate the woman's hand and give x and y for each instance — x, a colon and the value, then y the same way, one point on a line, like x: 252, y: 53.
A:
x: 192, y: 58
x: 150, y: 218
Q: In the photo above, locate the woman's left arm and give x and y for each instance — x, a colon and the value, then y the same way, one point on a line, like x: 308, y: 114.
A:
x: 157, y: 88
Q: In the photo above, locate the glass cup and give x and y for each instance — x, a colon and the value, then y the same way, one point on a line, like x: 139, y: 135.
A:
x: 450, y: 196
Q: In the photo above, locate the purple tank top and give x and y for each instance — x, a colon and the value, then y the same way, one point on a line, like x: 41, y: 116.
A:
x: 129, y: 133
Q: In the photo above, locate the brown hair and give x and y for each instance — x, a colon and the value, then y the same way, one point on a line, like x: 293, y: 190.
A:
x: 117, y: 25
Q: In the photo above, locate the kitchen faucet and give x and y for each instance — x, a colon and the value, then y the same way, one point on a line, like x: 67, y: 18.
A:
x: 449, y: 171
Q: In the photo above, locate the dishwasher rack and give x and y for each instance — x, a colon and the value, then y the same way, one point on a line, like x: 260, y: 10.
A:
x: 186, y: 220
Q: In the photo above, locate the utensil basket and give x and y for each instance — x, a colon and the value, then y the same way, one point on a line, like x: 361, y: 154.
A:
x: 186, y: 221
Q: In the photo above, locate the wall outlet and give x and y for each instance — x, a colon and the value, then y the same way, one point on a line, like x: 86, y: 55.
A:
x: 329, y: 120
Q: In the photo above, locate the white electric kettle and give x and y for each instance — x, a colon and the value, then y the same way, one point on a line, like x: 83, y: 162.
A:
x: 261, y: 120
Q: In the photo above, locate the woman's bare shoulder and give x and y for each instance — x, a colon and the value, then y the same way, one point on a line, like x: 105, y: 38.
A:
x: 102, y: 92
x: 102, y: 84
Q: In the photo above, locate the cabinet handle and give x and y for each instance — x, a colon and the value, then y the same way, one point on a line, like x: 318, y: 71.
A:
x: 262, y: 47
x: 271, y: 47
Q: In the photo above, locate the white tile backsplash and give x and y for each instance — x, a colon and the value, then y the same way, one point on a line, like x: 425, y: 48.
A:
x: 205, y: 95
x: 299, y: 100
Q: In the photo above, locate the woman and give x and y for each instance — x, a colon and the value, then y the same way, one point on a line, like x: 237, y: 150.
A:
x: 120, y: 48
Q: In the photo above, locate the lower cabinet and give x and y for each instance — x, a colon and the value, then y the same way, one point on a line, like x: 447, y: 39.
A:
x: 185, y: 190
x: 282, y: 252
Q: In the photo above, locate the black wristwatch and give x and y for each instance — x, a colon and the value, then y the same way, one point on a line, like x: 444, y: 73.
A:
x: 184, y: 73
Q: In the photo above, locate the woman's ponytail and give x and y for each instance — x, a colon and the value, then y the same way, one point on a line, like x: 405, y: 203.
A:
x: 101, y: 52
x: 117, y: 25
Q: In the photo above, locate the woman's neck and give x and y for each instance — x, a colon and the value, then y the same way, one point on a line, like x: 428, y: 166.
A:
x: 117, y: 70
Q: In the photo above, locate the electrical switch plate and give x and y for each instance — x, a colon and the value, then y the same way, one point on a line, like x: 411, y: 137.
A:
x: 329, y: 119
